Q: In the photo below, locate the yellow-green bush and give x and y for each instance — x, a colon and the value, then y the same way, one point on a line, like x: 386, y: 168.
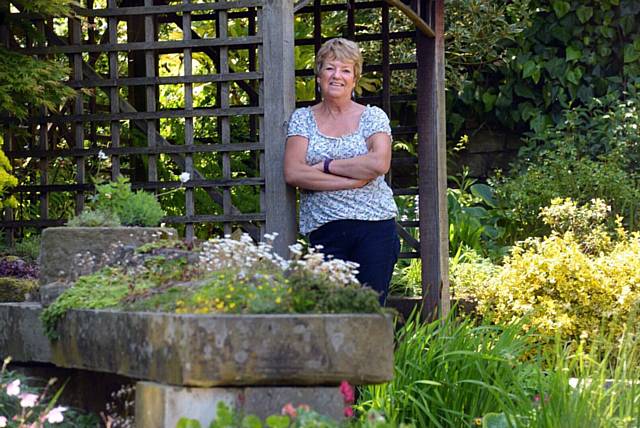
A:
x: 562, y: 285
x: 6, y: 180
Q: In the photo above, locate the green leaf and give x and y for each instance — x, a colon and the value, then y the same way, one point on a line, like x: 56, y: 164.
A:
x: 224, y: 415
x: 529, y: 68
x: 573, y: 53
x: 495, y: 420
x: 561, y: 8
x: 631, y: 54
x: 489, y: 100
x: 584, y: 13
x: 572, y: 77
x: 277, y: 421
x: 485, y: 193
x: 251, y: 421
x: 188, y: 423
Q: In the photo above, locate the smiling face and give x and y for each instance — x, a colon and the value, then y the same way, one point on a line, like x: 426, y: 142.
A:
x: 337, y: 79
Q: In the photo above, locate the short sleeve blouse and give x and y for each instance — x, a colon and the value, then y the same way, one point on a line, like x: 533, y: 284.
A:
x: 374, y: 201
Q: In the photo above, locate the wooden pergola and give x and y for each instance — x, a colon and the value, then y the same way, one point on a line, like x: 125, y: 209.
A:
x: 118, y: 112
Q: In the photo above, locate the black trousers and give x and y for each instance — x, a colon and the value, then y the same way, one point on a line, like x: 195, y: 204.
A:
x: 374, y: 245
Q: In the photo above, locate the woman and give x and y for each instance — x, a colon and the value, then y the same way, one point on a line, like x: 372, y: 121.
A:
x: 337, y: 153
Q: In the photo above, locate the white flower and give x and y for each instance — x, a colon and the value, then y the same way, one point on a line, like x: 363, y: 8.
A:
x: 14, y: 387
x: 3, y: 421
x: 102, y: 155
x: 28, y: 400
x: 55, y: 415
x: 184, y: 177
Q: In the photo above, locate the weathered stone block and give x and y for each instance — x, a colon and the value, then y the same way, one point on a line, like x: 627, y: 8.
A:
x: 63, y: 249
x: 210, y: 350
x: 159, y: 406
x: 21, y: 333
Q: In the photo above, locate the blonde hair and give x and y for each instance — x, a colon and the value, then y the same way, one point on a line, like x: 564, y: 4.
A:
x: 342, y: 50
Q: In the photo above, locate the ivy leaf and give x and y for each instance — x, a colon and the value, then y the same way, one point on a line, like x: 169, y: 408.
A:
x: 584, y: 13
x: 631, y: 54
x: 529, y: 68
x: 572, y: 76
x: 561, y: 8
x: 489, y: 100
x: 573, y: 53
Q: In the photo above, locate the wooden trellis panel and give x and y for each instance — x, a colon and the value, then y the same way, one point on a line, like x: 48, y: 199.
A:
x: 113, y: 49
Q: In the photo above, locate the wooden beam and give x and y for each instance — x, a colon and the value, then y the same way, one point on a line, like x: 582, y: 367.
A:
x: 432, y: 167
x: 279, y: 95
x: 422, y: 26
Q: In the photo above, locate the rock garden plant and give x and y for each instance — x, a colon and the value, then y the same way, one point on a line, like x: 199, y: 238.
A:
x: 220, y: 276
x: 115, y: 204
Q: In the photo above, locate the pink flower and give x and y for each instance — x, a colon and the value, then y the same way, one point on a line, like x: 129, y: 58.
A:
x: 55, y: 415
x: 14, y: 387
x: 3, y: 421
x: 348, y: 394
x: 28, y: 400
x: 348, y: 412
x: 289, y: 410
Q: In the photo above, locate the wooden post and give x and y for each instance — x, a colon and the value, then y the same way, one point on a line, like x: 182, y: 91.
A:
x: 278, y: 100
x: 432, y: 167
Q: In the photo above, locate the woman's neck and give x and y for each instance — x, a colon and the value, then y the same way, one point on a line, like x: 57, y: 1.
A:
x: 336, y: 107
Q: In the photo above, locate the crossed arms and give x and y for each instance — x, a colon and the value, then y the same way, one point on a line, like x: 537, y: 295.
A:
x: 345, y: 174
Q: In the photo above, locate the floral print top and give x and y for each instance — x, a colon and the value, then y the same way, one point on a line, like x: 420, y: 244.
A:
x: 374, y: 201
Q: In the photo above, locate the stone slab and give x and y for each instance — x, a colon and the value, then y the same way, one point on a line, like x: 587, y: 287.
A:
x: 209, y: 350
x: 21, y: 333
x: 160, y: 406
x: 68, y: 252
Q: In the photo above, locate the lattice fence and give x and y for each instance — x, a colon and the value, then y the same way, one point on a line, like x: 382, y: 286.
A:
x: 205, y: 120
x: 209, y: 121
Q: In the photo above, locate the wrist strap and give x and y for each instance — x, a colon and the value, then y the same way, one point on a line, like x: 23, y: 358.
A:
x: 327, y: 161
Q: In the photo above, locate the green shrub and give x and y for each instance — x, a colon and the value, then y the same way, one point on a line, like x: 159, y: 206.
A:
x: 116, y: 201
x: 28, y: 247
x: 6, y: 180
x: 567, y: 286
x: 468, y: 272
x: 94, y: 218
x: 592, y: 153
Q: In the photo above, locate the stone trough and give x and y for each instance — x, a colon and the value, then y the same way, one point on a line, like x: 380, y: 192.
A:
x: 186, y: 359
x: 184, y: 364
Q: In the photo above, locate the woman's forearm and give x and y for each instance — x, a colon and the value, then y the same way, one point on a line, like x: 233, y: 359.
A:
x: 365, y: 167
x: 310, y: 178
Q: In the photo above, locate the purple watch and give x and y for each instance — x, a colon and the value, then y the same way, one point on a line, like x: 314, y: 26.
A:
x: 327, y: 161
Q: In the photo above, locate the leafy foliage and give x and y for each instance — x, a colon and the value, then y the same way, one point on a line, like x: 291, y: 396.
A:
x: 6, y: 181
x: 94, y: 218
x: 448, y: 373
x: 592, y: 153
x: 569, y: 52
x: 131, y: 208
x: 30, y: 82
x: 571, y: 284
x: 17, y: 268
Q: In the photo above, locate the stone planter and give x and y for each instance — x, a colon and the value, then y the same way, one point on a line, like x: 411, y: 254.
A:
x: 271, y: 359
x: 63, y: 250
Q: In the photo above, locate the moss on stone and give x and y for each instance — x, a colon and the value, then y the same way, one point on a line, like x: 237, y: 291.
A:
x: 17, y: 289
